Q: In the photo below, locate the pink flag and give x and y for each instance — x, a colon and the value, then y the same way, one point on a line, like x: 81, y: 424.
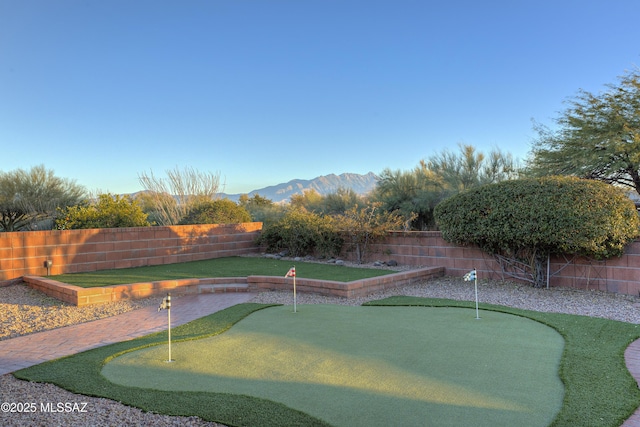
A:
x: 291, y: 272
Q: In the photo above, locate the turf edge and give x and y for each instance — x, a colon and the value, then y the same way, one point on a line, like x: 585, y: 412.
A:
x: 599, y: 390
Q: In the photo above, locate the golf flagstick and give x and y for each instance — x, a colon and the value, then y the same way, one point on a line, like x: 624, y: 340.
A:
x: 292, y: 273
x: 166, y: 303
x: 473, y: 275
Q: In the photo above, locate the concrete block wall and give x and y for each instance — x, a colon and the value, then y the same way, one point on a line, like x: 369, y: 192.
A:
x: 73, y: 251
x: 24, y: 253
x: 428, y: 248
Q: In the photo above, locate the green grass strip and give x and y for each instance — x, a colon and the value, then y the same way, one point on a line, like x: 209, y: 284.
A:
x: 599, y: 391
x: 219, y: 267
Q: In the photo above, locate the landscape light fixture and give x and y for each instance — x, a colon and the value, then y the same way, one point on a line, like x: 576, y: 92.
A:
x: 48, y: 263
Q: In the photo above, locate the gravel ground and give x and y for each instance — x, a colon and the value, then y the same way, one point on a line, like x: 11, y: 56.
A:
x: 24, y: 311
x: 560, y: 300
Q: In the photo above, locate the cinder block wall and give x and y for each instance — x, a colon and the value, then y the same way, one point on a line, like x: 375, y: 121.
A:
x: 24, y: 253
x: 73, y: 251
x: 429, y: 249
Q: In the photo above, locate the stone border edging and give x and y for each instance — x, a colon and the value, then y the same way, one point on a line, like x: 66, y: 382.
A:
x: 79, y: 296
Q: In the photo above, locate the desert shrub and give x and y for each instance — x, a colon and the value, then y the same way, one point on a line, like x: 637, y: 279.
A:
x: 262, y: 209
x: 29, y: 200
x: 222, y: 211
x: 108, y: 211
x: 302, y: 233
x: 363, y: 226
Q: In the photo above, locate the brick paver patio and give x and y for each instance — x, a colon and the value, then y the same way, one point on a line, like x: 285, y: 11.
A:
x: 29, y: 350
x: 632, y: 359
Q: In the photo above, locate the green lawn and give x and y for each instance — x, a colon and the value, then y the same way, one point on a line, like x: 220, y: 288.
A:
x: 218, y: 267
x: 598, y: 389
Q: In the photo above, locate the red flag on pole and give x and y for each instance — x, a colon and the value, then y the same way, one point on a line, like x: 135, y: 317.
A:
x: 291, y: 272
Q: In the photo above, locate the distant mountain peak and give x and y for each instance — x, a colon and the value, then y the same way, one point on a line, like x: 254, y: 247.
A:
x: 325, y: 184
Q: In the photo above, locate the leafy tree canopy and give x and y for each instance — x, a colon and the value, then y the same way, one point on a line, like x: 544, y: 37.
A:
x: 597, y: 137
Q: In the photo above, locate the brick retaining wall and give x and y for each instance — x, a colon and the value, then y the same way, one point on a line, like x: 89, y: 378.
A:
x: 357, y: 288
x: 428, y: 248
x: 85, y: 296
x: 72, y: 251
x: 79, y: 296
x: 24, y: 253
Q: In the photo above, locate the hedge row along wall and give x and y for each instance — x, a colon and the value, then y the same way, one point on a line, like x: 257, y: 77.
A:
x: 72, y: 251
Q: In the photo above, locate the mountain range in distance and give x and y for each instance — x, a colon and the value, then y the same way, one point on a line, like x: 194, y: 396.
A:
x: 326, y: 184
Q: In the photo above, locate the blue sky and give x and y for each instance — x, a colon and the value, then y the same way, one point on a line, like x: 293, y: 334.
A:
x: 265, y: 91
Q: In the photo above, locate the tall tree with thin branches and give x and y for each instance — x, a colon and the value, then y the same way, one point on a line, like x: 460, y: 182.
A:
x: 470, y: 168
x: 597, y: 137
x: 174, y: 195
x: 416, y: 193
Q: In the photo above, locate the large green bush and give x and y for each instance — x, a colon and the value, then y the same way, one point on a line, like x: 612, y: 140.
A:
x: 222, y: 211
x: 528, y: 219
x: 108, y: 211
x: 302, y: 233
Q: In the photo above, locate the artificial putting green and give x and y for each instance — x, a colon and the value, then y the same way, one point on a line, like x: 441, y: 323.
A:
x: 370, y: 366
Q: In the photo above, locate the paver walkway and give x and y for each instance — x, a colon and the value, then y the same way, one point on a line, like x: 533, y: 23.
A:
x: 29, y: 350
x: 632, y: 359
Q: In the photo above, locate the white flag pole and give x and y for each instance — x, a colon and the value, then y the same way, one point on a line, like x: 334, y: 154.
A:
x: 169, y: 324
x: 166, y: 304
x: 294, y: 291
x: 292, y: 273
x: 475, y: 273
